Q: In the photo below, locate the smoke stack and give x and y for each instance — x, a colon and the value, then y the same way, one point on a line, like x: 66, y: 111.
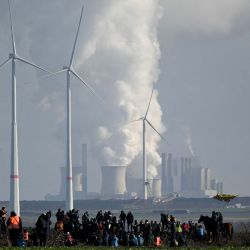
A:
x: 183, y: 172
x: 84, y: 169
x: 170, y: 165
x: 170, y: 178
x: 219, y: 187
x: 163, y: 174
x: 214, y: 184
x: 113, y: 180
x: 207, y: 178
x: 186, y: 162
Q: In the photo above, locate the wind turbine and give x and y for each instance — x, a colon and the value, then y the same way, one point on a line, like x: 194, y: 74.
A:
x: 14, y: 176
x: 144, y: 167
x: 70, y: 70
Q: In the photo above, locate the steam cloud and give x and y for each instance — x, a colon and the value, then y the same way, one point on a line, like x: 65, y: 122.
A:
x: 189, y: 141
x: 123, y: 55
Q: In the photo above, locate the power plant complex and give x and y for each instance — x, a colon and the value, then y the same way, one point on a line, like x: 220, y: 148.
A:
x: 181, y: 176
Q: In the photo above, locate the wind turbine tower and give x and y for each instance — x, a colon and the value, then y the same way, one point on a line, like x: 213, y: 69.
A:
x: 144, y: 157
x: 70, y: 70
x: 14, y: 171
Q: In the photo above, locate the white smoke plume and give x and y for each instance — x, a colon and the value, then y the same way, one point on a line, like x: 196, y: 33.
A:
x: 122, y: 56
x: 189, y: 141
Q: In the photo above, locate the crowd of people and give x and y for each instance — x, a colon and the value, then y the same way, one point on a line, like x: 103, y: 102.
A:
x: 104, y: 229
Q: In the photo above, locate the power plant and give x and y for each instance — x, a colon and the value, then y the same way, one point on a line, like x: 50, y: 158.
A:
x: 183, y: 175
x: 179, y: 175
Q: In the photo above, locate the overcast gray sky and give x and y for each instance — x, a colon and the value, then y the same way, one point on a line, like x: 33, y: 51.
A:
x: 196, y: 53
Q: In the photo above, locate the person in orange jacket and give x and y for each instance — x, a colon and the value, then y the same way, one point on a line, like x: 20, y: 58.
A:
x: 157, y: 241
x: 14, y: 224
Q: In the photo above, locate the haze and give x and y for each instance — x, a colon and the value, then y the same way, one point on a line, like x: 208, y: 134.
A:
x: 196, y: 53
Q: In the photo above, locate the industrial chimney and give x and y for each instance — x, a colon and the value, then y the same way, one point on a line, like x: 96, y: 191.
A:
x: 163, y: 174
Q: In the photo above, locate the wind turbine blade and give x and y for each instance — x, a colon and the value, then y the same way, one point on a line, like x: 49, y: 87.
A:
x: 149, y: 102
x: 74, y: 47
x: 53, y: 74
x: 150, y: 124
x: 1, y: 65
x: 32, y: 64
x: 12, y: 32
x: 88, y: 86
x: 135, y: 120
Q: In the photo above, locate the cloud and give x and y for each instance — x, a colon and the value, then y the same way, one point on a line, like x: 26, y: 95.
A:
x: 204, y: 17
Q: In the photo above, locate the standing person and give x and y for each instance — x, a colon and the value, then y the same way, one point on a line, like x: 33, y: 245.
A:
x: 3, y: 214
x: 173, y: 241
x: 43, y: 227
x: 130, y: 220
x: 14, y: 224
x: 59, y: 215
x: 147, y: 232
x: 179, y: 234
x: 200, y: 232
x: 123, y: 218
x: 220, y: 221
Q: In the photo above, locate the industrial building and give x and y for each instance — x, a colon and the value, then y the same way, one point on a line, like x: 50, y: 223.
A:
x: 186, y: 176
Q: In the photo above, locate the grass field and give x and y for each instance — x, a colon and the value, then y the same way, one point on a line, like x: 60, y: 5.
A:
x: 240, y: 241
x: 137, y: 248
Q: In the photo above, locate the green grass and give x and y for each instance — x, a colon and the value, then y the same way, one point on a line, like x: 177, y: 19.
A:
x: 137, y: 248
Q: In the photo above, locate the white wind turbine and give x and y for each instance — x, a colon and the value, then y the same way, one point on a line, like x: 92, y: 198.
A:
x: 70, y: 70
x: 144, y: 166
x: 14, y: 176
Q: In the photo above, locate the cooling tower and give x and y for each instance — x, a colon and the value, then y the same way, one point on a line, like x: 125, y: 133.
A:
x: 156, y: 188
x: 84, y: 169
x: 77, y: 182
x: 77, y: 179
x: 113, y: 180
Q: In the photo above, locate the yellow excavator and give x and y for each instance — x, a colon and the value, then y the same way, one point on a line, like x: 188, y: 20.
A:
x: 225, y: 197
